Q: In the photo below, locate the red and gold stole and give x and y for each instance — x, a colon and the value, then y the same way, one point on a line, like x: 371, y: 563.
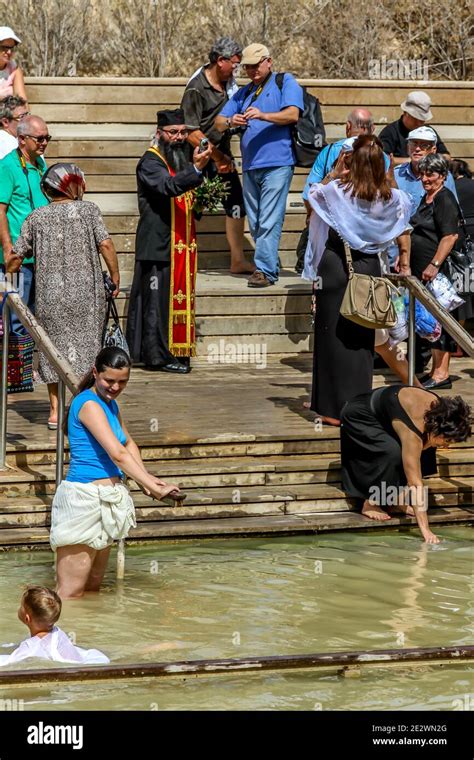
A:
x: 181, y: 323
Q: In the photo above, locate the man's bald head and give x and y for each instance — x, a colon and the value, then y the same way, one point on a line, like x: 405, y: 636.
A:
x: 32, y: 125
x: 359, y: 122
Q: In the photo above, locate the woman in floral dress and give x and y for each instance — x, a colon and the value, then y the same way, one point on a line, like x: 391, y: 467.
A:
x: 65, y: 239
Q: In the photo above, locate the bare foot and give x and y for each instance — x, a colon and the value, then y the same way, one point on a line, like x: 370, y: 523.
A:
x: 373, y: 512
x: 403, y: 509
x: 243, y: 267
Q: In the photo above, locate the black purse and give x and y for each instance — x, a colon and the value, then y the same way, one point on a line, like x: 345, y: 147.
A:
x: 459, y: 265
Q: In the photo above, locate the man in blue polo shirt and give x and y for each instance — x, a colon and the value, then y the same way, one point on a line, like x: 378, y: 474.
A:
x: 265, y: 114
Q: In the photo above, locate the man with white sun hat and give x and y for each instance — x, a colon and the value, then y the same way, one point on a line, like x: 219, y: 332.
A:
x: 416, y: 111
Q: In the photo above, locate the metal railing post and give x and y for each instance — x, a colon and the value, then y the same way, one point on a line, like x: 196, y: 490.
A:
x: 411, y: 338
x: 4, y: 385
x: 60, y: 433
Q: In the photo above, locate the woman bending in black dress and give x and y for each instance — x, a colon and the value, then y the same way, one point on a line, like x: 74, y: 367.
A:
x: 388, y: 442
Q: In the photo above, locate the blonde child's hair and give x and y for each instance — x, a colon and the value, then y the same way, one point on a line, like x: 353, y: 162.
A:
x: 43, y: 604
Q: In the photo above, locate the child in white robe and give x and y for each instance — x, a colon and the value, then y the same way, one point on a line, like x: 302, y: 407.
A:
x: 40, y: 608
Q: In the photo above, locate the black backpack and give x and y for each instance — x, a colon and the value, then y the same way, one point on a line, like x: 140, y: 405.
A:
x: 309, y: 135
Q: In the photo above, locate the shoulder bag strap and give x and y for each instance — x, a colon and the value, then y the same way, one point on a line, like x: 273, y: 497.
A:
x: 258, y: 91
x: 347, y: 251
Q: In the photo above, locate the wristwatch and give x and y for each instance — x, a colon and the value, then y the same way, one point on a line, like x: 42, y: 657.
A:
x: 435, y: 264
x: 229, y: 123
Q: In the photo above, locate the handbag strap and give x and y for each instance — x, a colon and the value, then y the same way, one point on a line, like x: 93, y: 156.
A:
x: 347, y: 251
x: 463, y: 223
x: 111, y: 311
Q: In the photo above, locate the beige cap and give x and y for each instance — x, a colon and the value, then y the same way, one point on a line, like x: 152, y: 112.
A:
x: 253, y: 54
x: 418, y: 105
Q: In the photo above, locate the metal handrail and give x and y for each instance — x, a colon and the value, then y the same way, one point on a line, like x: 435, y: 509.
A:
x: 417, y: 291
x: 67, y: 376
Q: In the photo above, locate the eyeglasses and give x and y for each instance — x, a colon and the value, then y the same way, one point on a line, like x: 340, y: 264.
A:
x: 7, y: 48
x: 174, y: 132
x: 254, y: 65
x: 40, y: 138
x: 422, y: 144
x: 234, y: 63
x: 20, y: 116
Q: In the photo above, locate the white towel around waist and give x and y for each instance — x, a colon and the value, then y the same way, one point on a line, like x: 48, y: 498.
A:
x: 84, y: 513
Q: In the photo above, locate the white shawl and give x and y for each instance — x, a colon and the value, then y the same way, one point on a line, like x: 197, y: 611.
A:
x: 367, y: 227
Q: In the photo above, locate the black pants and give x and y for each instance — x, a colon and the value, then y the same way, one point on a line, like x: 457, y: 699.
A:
x: 148, y: 313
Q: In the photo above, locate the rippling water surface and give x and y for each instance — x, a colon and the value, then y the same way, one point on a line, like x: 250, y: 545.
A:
x: 266, y: 596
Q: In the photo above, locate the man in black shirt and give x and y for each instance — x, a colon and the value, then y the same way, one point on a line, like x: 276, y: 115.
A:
x: 204, y: 97
x: 160, y: 326
x: 416, y: 113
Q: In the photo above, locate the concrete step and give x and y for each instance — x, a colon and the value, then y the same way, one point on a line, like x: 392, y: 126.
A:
x: 229, y: 472
x: 225, y: 447
x: 207, y: 503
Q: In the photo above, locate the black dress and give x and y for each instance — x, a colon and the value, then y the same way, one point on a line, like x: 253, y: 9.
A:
x: 465, y: 191
x: 371, y: 452
x: 343, y: 361
x: 431, y: 222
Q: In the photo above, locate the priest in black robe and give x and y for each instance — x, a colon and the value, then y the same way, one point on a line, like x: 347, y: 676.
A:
x: 160, y: 326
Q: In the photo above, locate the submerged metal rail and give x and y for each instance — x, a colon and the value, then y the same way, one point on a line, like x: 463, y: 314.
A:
x: 66, y: 375
x: 320, y: 661
x: 416, y: 290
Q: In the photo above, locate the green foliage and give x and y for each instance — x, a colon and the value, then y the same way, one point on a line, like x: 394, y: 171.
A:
x: 210, y: 195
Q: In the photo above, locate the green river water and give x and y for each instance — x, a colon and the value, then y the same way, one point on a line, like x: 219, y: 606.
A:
x: 265, y: 596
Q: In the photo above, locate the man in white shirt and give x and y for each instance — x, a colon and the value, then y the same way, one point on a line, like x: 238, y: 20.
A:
x: 12, y: 110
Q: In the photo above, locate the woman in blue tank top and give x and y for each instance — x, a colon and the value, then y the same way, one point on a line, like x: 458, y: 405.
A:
x: 92, y: 507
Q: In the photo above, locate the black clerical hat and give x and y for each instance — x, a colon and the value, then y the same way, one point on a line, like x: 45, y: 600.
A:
x: 170, y: 117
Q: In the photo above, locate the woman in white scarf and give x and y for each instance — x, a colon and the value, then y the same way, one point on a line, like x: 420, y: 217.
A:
x: 362, y: 209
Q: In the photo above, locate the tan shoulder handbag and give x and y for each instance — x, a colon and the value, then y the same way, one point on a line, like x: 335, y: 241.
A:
x: 368, y: 300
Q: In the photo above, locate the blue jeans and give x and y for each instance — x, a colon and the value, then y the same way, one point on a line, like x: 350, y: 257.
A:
x: 265, y: 193
x: 23, y: 282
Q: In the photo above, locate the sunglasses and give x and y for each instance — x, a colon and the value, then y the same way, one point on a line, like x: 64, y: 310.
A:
x: 7, y: 48
x: 40, y: 138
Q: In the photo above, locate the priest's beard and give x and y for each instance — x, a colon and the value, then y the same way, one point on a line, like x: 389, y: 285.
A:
x: 177, y: 155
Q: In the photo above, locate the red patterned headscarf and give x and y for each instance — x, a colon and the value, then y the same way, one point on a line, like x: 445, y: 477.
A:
x: 67, y: 179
